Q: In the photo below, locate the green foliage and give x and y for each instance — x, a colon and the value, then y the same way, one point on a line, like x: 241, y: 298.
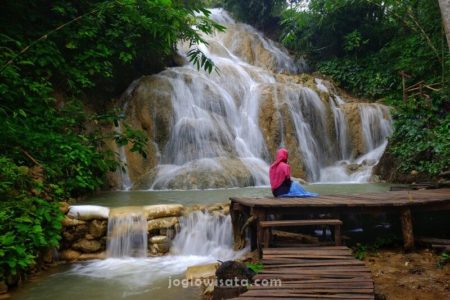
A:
x: 255, y: 267
x: 353, y: 41
x: 29, y: 221
x: 363, y: 45
x: 80, y: 45
x: 444, y: 258
x: 58, y: 58
x: 359, y: 77
x: 360, y: 251
x: 422, y: 135
x: 259, y: 13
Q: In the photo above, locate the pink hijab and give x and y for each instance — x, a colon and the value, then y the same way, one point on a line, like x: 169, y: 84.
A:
x: 279, y: 170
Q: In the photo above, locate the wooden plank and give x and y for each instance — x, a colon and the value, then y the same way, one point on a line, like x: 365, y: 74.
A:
x: 336, y: 281
x: 317, y: 252
x: 281, y: 294
x: 275, y: 273
x: 399, y: 198
x: 332, y: 268
x: 316, y: 264
x: 285, y: 223
x: 288, y: 298
x: 320, y: 247
x: 289, y: 277
x: 367, y: 285
x: 315, y: 290
x: 293, y: 255
x: 429, y: 240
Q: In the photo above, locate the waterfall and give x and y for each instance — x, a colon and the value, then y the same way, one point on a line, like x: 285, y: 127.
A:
x: 375, y: 126
x: 125, y: 179
x: 127, y: 235
x: 223, y: 129
x: 205, y: 234
x: 375, y: 129
x: 341, y: 128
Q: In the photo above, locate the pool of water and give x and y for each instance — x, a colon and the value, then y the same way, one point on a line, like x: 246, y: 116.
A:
x: 113, y: 278
x: 137, y: 198
x: 148, y: 278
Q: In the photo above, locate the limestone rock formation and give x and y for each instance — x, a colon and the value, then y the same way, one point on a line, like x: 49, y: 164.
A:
x: 163, y: 210
x: 87, y: 246
x: 161, y: 223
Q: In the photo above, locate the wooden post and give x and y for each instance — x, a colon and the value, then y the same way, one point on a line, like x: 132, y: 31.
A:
x: 405, y: 91
x: 266, y: 237
x: 407, y: 228
x: 260, y: 215
x: 337, y: 235
x: 237, y: 222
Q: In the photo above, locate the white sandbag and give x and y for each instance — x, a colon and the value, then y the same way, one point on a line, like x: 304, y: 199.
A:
x: 88, y: 212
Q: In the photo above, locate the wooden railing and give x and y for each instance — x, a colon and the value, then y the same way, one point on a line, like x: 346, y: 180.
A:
x: 419, y: 89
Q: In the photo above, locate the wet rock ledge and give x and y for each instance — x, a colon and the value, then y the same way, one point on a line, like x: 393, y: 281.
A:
x: 85, y: 227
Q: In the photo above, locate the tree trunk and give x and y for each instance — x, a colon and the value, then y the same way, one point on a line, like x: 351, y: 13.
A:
x: 445, y: 11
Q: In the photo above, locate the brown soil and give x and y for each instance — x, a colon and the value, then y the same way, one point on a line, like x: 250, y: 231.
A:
x: 409, y: 276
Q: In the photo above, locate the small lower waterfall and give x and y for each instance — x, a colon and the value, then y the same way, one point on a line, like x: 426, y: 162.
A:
x: 201, y: 234
x: 128, y: 272
x: 205, y: 234
x: 127, y: 235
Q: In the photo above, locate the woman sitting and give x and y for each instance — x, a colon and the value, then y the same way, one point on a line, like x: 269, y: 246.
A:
x: 280, y: 178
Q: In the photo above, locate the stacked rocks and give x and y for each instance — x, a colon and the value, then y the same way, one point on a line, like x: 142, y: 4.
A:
x: 85, y: 227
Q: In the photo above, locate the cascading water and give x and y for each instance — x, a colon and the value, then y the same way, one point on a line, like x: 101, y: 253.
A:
x: 125, y: 180
x: 222, y: 129
x: 127, y: 235
x: 375, y: 128
x: 206, y: 235
x: 341, y: 128
x: 203, y: 238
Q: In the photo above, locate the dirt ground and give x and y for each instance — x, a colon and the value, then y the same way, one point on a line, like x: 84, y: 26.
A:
x: 409, y: 276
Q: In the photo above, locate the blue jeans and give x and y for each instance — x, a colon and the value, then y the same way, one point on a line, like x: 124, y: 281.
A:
x: 297, y: 190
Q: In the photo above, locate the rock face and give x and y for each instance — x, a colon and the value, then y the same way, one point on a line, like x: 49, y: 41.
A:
x: 87, y: 246
x: 159, y: 244
x: 151, y: 111
x: 163, y: 210
x: 201, y: 271
x: 229, y: 270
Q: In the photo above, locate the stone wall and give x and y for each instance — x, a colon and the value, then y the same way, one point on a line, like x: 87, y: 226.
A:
x: 85, y: 228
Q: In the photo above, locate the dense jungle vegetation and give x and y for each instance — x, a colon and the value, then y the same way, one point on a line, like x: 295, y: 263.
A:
x: 56, y: 59
x: 61, y: 61
x: 363, y: 45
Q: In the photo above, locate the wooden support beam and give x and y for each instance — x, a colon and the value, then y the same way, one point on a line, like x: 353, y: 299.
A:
x: 407, y: 229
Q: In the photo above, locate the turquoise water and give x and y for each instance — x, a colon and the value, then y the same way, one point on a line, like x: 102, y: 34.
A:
x: 136, y: 198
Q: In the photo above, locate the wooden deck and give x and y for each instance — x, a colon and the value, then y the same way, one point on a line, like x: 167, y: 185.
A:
x: 404, y: 203
x: 323, y: 273
x: 384, y: 200
x: 327, y: 272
